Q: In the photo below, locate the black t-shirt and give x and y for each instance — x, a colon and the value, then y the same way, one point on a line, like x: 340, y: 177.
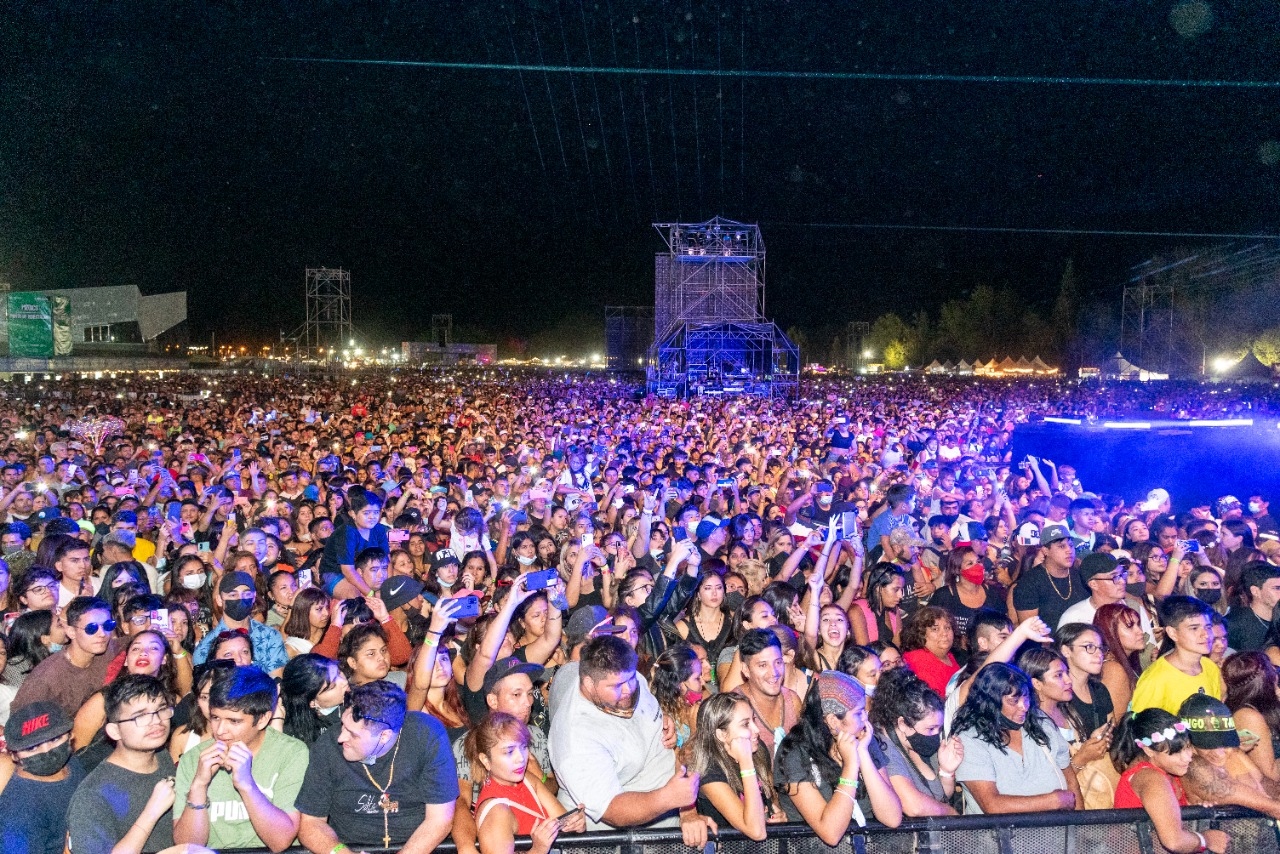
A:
x: 33, y: 814
x: 1095, y: 714
x: 1245, y: 630
x: 1036, y: 591
x: 794, y: 765
x: 340, y: 791
x: 949, y: 600
x: 715, y: 774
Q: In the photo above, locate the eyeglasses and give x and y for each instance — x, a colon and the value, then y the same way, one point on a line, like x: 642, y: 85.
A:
x: 40, y: 588
x: 1089, y: 648
x: 139, y: 620
x: 107, y: 627
x: 357, y: 715
x: 160, y: 715
x: 1122, y: 575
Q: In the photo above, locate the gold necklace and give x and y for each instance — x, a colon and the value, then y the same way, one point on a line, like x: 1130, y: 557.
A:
x: 387, y: 805
x: 1049, y: 576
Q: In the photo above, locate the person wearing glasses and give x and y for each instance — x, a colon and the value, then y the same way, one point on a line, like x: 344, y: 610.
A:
x: 1106, y: 580
x: 384, y: 778
x: 72, y: 675
x: 236, y: 595
x: 237, y: 790
x: 124, y: 804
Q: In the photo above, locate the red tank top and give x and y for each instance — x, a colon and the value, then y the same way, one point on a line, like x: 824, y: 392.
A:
x: 1127, y: 798
x: 520, y: 798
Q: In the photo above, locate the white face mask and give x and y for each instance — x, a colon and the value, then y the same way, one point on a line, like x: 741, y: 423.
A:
x: 526, y: 561
x: 655, y: 553
x: 195, y: 582
x: 325, y: 711
x: 869, y: 690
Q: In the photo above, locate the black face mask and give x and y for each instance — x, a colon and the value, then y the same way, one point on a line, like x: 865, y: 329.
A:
x: 237, y: 609
x: 1138, y: 589
x: 925, y: 745
x: 1008, y: 723
x: 1209, y: 596
x: 48, y: 763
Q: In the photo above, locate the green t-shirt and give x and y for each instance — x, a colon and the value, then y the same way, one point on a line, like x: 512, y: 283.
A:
x: 278, y: 769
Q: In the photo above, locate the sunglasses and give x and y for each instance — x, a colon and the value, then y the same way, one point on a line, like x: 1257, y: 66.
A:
x: 357, y: 715
x: 107, y: 627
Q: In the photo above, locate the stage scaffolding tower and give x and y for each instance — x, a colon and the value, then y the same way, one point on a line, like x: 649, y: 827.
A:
x: 711, y: 335
x: 328, y: 326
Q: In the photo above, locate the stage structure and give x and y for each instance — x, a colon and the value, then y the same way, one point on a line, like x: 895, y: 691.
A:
x: 328, y: 326
x: 628, y: 335
x: 711, y: 335
x: 442, y: 329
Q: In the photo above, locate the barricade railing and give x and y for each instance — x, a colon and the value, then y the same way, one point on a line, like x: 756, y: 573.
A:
x: 1086, y: 832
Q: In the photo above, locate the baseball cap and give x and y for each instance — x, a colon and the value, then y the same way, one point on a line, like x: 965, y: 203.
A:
x: 400, y: 590
x: 709, y: 526
x: 583, y: 622
x: 1051, y: 534
x: 444, y: 557
x: 905, y: 536
x: 1210, y: 722
x: 231, y: 580
x: 1027, y: 534
x: 510, y: 666
x: 1097, y: 563
x: 35, y: 723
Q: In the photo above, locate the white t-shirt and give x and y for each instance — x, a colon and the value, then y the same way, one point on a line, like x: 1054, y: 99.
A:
x: 597, y: 756
x: 1082, y: 612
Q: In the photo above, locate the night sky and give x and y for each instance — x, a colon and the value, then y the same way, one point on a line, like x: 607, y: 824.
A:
x: 171, y: 146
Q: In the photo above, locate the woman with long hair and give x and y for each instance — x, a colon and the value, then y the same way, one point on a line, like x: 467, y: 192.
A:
x: 829, y: 769
x: 1251, y: 683
x: 312, y: 689
x: 511, y: 802
x: 878, y: 616
x: 907, y: 716
x: 1122, y: 641
x: 676, y: 682
x: 964, y: 591
x: 927, y: 639
x: 33, y: 637
x: 1152, y: 751
x: 1015, y: 760
x: 736, y: 787
x: 308, y: 620
x: 706, y: 620
x: 432, y: 687
x: 148, y: 653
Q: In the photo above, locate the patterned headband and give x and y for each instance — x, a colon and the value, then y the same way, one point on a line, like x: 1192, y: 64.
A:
x: 1166, y: 734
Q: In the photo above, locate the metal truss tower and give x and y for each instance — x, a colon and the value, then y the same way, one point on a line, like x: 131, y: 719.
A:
x: 710, y: 332
x: 442, y: 329
x: 328, y: 325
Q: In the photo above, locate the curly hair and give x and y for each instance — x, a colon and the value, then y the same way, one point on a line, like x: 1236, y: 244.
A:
x: 982, y: 710
x: 900, y: 693
x: 670, y: 670
x: 916, y: 629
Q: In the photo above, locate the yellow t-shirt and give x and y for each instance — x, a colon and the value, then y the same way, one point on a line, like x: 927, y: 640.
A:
x: 1164, y: 686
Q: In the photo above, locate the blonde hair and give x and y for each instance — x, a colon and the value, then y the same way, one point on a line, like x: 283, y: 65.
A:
x: 757, y: 575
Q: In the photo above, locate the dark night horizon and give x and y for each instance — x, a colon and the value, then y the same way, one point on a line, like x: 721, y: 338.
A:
x: 179, y: 151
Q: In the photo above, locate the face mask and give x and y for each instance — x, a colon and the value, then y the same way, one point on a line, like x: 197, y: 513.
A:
x: 195, y: 582
x: 1209, y: 596
x: 1255, y: 508
x: 55, y: 647
x: 693, y: 697
x: 1138, y: 589
x: 1008, y: 723
x: 656, y: 554
x: 925, y: 745
x: 326, y: 711
x: 974, y: 575
x: 825, y: 500
x: 869, y: 690
x: 237, y: 609
x: 48, y: 763
x: 447, y: 585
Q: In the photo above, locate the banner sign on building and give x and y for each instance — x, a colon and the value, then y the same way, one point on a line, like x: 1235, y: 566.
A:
x: 30, y: 326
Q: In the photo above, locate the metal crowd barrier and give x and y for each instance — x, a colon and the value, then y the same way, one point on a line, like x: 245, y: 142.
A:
x: 1086, y: 832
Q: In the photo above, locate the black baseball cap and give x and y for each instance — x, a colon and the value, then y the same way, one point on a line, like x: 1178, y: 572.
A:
x: 510, y: 666
x: 34, y: 724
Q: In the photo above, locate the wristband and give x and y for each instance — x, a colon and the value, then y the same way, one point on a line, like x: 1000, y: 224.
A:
x: 750, y: 772
x: 205, y: 806
x: 437, y: 634
x: 341, y: 846
x: 845, y: 781
x: 1203, y: 844
x: 182, y: 654
x: 950, y: 775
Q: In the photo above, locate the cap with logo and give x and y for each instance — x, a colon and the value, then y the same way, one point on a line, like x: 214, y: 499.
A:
x: 231, y: 580
x: 1051, y: 534
x: 34, y: 724
x: 1209, y: 721
x: 444, y: 557
x: 1027, y: 535
x: 400, y: 590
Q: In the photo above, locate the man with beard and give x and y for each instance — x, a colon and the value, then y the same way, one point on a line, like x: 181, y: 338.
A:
x: 33, y: 807
x: 776, y: 707
x: 607, y: 747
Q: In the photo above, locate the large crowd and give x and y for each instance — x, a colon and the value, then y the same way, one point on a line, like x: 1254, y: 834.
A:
x: 386, y: 610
